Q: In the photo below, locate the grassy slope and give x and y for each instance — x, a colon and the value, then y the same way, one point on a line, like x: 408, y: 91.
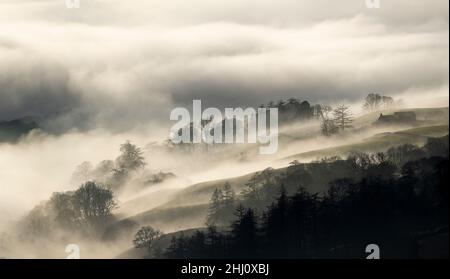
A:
x: 182, y: 212
x: 379, y: 142
x: 432, y: 122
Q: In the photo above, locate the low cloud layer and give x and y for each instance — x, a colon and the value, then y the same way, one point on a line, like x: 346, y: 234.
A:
x: 121, y: 65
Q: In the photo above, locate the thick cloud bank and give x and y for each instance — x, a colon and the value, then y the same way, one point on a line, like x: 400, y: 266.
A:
x: 119, y: 65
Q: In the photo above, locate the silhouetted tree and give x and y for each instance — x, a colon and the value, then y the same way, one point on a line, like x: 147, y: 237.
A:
x: 328, y: 127
x: 373, y: 101
x: 145, y: 238
x: 64, y: 210
x: 342, y: 117
x: 85, y: 211
x: 302, y: 216
x: 93, y: 203
x: 221, y: 206
x: 216, y: 243
x: 229, y: 197
x: 177, y: 248
x: 402, y: 154
x: 130, y: 160
x: 275, y: 226
x: 196, y: 246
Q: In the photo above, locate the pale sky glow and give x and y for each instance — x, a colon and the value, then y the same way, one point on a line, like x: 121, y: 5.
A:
x: 113, y: 70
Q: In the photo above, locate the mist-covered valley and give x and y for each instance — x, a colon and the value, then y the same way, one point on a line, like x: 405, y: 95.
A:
x: 87, y: 151
x: 168, y: 187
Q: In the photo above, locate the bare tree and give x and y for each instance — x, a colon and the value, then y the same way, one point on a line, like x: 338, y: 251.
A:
x: 328, y: 127
x: 375, y: 101
x: 387, y: 101
x: 342, y: 117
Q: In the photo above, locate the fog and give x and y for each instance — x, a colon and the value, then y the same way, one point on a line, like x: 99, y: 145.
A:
x: 113, y: 71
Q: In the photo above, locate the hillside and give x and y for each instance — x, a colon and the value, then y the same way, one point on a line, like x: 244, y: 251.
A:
x: 188, y: 208
x: 183, y: 212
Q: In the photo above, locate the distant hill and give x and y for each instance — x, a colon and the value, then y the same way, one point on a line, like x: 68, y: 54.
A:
x: 174, y: 215
x: 13, y: 130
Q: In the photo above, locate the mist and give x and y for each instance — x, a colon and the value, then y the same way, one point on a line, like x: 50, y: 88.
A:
x: 112, y: 71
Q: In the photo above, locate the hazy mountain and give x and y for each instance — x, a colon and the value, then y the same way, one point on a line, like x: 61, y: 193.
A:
x: 12, y: 130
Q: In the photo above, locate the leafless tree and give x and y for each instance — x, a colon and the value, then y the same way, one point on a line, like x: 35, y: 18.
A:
x: 375, y: 101
x: 342, y: 117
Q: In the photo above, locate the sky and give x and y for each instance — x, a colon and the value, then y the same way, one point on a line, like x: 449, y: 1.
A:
x: 121, y: 65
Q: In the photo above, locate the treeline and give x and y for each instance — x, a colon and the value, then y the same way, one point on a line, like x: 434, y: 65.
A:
x: 114, y: 173
x: 390, y: 199
x: 263, y: 187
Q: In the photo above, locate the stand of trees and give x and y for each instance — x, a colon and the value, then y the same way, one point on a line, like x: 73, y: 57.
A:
x: 342, y: 116
x: 339, y: 122
x: 112, y: 173
x: 86, y: 211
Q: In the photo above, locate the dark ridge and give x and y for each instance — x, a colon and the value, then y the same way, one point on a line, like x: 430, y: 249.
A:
x: 11, y: 131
